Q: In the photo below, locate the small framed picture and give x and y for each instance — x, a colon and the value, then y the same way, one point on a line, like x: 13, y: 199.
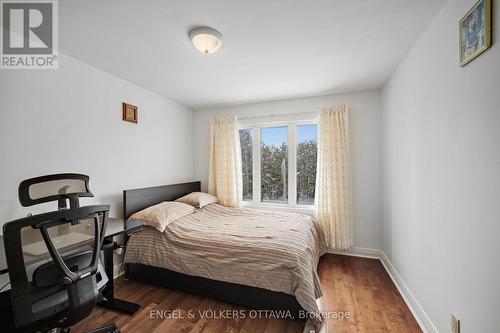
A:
x: 475, y: 32
x: 129, y: 113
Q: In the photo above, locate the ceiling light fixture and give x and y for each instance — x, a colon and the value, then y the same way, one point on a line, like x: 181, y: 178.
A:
x: 205, y: 39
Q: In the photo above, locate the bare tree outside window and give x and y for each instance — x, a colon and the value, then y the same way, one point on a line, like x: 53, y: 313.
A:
x: 246, y: 163
x: 274, y: 164
x: 307, y: 151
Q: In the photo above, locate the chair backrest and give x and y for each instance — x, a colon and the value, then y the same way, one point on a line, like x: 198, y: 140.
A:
x: 60, y: 287
x: 57, y: 187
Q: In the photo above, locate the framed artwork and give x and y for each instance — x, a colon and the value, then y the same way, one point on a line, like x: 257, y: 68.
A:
x: 129, y: 113
x: 475, y: 32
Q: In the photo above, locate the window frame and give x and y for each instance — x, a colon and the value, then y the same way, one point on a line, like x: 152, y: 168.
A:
x: 292, y: 204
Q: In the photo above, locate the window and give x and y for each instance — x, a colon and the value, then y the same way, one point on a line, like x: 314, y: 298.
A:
x: 307, y: 153
x: 279, y: 163
x: 274, y: 164
x: 246, y: 163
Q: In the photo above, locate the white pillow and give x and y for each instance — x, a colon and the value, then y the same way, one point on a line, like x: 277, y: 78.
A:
x: 162, y: 214
x: 198, y: 199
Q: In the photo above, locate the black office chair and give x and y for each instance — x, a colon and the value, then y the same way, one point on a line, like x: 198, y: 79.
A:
x: 55, y: 290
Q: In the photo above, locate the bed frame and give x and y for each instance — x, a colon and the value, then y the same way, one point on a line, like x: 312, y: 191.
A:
x: 246, y: 296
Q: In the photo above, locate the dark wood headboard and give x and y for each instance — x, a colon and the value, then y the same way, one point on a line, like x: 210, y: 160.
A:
x: 138, y: 199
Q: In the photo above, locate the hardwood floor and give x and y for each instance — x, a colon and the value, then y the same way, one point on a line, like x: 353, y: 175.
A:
x: 357, y: 286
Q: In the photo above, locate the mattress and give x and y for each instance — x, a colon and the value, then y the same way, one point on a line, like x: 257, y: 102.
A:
x: 265, y: 249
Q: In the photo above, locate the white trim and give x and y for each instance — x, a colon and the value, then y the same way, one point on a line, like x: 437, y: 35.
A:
x: 362, y: 252
x: 416, y: 309
x: 116, y: 271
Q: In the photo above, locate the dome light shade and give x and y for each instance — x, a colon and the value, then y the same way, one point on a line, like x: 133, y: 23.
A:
x: 205, y: 39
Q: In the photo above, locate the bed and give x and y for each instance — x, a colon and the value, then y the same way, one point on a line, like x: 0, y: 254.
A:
x: 255, y: 259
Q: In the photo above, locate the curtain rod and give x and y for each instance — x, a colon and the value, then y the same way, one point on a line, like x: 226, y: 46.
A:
x: 280, y: 114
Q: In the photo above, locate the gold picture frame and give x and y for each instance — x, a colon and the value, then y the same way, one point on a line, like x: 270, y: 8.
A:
x: 129, y: 113
x: 475, y: 32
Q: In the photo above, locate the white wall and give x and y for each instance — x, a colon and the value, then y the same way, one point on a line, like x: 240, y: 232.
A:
x: 365, y: 133
x: 441, y: 175
x: 69, y: 120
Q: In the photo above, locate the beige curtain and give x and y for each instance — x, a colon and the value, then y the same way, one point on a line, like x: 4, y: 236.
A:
x: 333, y: 208
x: 225, y: 179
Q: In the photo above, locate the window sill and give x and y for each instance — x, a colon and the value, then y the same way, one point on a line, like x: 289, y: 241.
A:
x: 299, y: 209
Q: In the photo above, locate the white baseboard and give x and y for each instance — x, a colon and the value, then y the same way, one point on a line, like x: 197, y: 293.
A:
x: 416, y: 309
x: 363, y: 252
x: 118, y: 270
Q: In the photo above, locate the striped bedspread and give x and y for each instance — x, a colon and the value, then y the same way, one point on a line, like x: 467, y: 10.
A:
x: 270, y: 250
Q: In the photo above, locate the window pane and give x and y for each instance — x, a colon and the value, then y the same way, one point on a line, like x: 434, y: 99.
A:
x: 306, y: 163
x: 274, y: 166
x: 246, y: 162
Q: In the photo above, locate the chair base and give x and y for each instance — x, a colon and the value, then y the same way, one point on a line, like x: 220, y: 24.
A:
x: 111, y: 328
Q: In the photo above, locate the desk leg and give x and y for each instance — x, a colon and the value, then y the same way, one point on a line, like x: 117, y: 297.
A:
x: 111, y: 302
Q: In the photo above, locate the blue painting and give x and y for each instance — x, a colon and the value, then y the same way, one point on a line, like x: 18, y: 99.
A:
x: 475, y: 31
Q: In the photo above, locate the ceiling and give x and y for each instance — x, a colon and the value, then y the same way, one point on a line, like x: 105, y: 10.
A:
x: 272, y: 49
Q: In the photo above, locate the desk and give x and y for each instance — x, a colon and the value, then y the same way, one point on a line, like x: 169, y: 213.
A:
x: 114, y: 227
